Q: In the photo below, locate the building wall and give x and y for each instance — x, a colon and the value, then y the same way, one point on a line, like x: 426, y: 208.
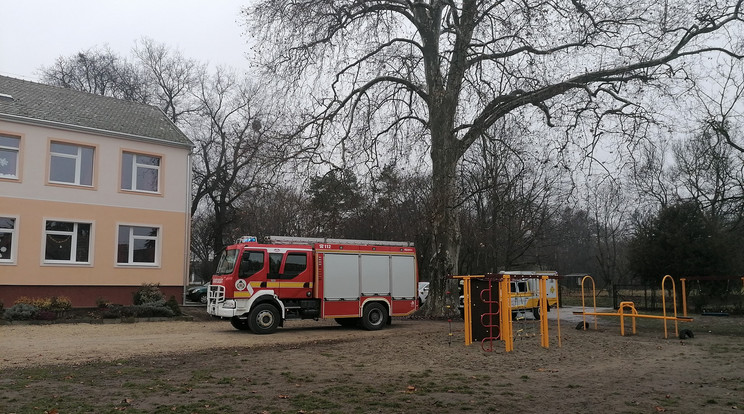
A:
x: 32, y: 199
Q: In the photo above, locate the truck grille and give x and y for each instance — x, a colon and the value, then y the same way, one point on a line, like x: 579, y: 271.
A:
x: 215, y: 294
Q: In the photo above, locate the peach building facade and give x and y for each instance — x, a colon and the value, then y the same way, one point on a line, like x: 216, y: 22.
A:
x: 94, y: 196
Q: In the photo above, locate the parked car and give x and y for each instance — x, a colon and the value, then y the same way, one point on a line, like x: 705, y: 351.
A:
x: 198, y: 293
x: 423, y: 292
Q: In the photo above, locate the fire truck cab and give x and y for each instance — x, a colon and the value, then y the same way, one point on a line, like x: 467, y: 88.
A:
x: 259, y: 286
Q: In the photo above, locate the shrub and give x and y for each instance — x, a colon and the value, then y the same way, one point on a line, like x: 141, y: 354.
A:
x: 148, y: 310
x: 21, y: 312
x: 47, y: 309
x: 41, y: 303
x: 117, y: 311
x: 148, y: 293
x: 152, y: 311
x: 60, y: 304
x: 56, y: 304
x: 45, y: 315
x: 172, y: 304
x: 102, y: 303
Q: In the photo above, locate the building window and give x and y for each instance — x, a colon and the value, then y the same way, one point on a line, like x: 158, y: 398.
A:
x: 140, y: 172
x: 67, y: 242
x: 9, y: 148
x: 138, y: 245
x: 71, y: 164
x: 7, y: 239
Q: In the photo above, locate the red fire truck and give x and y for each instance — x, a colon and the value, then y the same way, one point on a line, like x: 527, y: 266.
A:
x: 259, y: 286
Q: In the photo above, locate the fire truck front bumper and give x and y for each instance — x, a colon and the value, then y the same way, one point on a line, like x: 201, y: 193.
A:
x: 225, y: 309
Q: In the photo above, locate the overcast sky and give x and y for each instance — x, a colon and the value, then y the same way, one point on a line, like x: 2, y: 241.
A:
x: 35, y: 33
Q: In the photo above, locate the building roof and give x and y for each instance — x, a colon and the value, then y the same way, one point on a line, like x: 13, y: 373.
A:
x: 40, y: 104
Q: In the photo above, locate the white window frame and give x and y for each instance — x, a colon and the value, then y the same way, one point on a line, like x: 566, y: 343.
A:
x: 11, y: 260
x: 73, y: 242
x: 130, y: 243
x: 17, y: 151
x: 135, y: 166
x: 78, y: 162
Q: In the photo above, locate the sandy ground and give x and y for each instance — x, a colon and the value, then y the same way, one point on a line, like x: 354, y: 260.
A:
x: 28, y: 345
x: 415, y: 365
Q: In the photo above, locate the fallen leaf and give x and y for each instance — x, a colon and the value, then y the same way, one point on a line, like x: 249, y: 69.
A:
x: 660, y: 409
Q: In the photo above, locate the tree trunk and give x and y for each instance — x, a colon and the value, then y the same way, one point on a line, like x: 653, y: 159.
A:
x: 218, y: 234
x: 443, y: 291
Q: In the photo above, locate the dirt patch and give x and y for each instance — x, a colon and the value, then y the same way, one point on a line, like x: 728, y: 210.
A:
x: 206, y: 366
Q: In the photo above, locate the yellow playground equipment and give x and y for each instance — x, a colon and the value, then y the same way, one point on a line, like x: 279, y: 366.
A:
x: 494, y: 302
x: 631, y: 310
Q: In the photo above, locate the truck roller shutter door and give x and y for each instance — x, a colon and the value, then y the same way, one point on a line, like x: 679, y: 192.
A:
x: 403, y: 277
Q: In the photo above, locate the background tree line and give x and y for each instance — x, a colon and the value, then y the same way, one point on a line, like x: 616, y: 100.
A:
x: 490, y: 152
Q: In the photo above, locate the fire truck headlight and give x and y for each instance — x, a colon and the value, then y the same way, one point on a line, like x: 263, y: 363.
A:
x: 229, y: 304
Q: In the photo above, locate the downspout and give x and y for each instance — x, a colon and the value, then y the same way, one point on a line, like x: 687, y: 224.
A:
x: 187, y: 219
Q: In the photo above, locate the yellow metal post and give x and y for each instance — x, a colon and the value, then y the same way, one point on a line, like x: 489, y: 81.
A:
x: 663, y: 304
x: 468, y: 312
x: 505, y: 310
x: 558, y: 315
x: 544, y: 339
x: 583, y: 305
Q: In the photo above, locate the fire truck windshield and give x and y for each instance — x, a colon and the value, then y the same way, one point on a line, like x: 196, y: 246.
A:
x: 227, y: 262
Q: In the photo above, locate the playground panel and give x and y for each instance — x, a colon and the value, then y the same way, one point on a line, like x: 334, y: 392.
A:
x: 494, y: 303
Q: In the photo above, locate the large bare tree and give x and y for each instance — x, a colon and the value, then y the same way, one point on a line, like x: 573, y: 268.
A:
x: 720, y: 104
x: 389, y: 71
x: 99, y: 71
x: 171, y: 77
x: 510, y: 195
x: 236, y: 153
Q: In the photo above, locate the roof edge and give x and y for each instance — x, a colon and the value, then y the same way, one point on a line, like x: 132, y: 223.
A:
x: 71, y: 127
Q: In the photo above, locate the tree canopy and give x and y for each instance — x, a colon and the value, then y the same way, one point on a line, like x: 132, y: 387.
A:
x: 392, y: 74
x: 466, y: 126
x: 681, y: 241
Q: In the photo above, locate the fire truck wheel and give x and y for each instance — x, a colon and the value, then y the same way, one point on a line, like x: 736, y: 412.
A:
x: 240, y: 324
x: 264, y: 318
x: 536, y: 313
x: 374, y: 317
